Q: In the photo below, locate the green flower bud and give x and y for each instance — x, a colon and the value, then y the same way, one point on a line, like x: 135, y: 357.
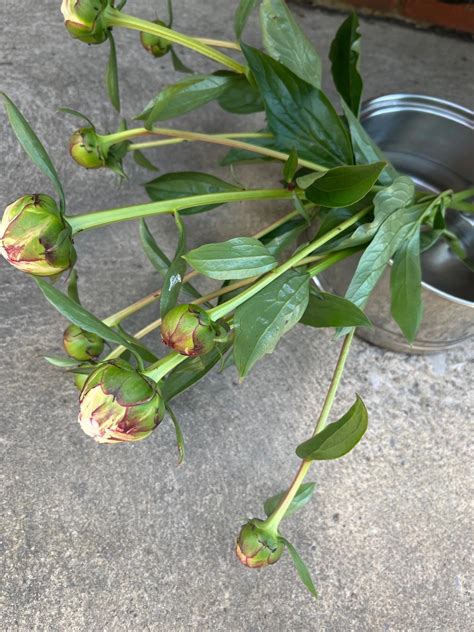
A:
x: 258, y: 547
x: 154, y: 44
x: 82, y: 19
x: 117, y: 404
x: 79, y: 380
x: 85, y: 149
x: 188, y: 330
x: 35, y: 237
x: 82, y: 345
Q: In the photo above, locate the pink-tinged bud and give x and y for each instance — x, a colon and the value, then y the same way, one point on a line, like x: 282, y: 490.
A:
x: 258, y: 547
x: 119, y: 404
x: 85, y: 149
x: 35, y: 237
x: 82, y: 345
x: 154, y: 44
x: 188, y: 330
x: 82, y: 19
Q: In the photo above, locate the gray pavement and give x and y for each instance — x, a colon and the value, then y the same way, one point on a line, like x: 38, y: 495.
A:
x: 119, y: 538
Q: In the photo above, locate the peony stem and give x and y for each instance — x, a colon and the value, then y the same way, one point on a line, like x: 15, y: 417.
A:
x: 98, y: 219
x: 215, y: 139
x: 112, y: 17
x: 273, y: 521
x: 175, y: 141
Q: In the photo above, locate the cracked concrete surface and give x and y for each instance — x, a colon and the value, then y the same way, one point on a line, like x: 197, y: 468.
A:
x: 119, y: 538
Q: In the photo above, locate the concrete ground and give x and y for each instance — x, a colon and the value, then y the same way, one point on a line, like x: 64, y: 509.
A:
x: 120, y: 538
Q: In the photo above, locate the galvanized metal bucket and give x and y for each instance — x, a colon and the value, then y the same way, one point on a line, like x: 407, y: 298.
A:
x: 432, y: 141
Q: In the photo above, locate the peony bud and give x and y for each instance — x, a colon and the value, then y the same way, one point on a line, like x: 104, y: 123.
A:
x: 258, y: 547
x: 117, y: 403
x: 188, y: 330
x: 82, y: 345
x: 154, y: 44
x: 80, y: 380
x: 35, y: 237
x: 84, y: 147
x: 82, y: 19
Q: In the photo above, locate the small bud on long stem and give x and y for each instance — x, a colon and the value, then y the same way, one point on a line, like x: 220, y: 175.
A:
x: 112, y: 17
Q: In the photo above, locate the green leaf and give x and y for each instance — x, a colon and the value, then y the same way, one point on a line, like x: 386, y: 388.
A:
x: 338, y: 438
x: 398, y: 195
x: 173, y: 280
x: 178, y: 65
x: 238, y: 258
x: 345, y: 58
x: 137, y: 347
x: 32, y: 146
x: 286, y: 42
x: 405, y: 286
x: 183, y: 97
x: 143, y: 161
x: 394, y: 230
x: 242, y: 14
x: 299, y: 115
x: 301, y: 208
x: 343, y: 186
x: 329, y: 310
x: 186, y: 183
x: 282, y: 237
x: 240, y: 96
x: 170, y: 13
x: 179, y: 434
x: 63, y: 363
x: 428, y: 238
x: 78, y: 114
x: 303, y: 495
x: 263, y: 319
x: 365, y: 150
x: 190, y: 371
x: 301, y: 567
x: 78, y: 315
x: 111, y: 77
x: 72, y: 289
x: 460, y: 201
x: 157, y: 257
x: 290, y: 166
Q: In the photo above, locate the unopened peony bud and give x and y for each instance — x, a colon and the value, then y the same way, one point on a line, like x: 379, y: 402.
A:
x: 82, y: 345
x: 118, y: 404
x: 84, y: 147
x: 257, y: 547
x: 188, y: 330
x: 82, y: 19
x: 35, y: 237
x: 80, y: 380
x: 154, y: 44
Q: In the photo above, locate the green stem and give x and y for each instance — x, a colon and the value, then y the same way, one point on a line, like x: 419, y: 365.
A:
x: 112, y: 17
x: 219, y: 43
x: 215, y: 139
x: 175, y: 141
x: 273, y: 521
x: 97, y: 219
x: 331, y: 259
x: 221, y: 310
